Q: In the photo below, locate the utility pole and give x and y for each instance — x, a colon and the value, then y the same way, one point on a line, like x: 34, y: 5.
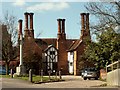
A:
x: 21, y: 59
x: 21, y: 42
x: 21, y: 69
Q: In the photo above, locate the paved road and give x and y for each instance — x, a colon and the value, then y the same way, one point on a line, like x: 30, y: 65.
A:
x: 71, y: 82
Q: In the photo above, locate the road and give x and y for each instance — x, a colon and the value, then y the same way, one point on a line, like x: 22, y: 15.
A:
x: 70, y: 82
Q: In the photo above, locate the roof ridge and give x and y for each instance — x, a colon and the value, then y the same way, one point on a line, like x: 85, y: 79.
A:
x: 75, y: 45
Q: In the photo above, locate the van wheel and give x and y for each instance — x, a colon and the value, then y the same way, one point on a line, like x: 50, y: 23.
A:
x: 89, y: 78
x: 85, y: 78
x: 96, y: 78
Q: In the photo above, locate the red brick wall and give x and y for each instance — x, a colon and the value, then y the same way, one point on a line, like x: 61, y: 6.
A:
x: 79, y: 51
x: 62, y: 56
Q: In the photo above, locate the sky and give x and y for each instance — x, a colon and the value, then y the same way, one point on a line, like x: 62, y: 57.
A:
x: 46, y: 15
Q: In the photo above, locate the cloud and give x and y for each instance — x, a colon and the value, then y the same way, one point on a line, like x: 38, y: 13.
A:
x: 19, y: 3
x: 48, y: 6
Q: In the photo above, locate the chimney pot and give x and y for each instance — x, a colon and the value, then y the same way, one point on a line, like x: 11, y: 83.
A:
x: 26, y: 13
x: 20, y: 26
x: 31, y: 25
x: 87, y: 23
x: 59, y: 25
x: 63, y: 26
x: 63, y: 19
x: 20, y: 20
x: 26, y: 20
x: 31, y: 20
x: 59, y: 19
x: 83, y: 21
x: 87, y: 13
x: 31, y: 13
x: 83, y: 13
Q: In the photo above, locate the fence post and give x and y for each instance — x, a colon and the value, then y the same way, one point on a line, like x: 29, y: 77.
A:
x: 41, y: 75
x: 112, y: 65
x: 56, y: 75
x: 60, y: 75
x: 11, y: 71
x: 30, y: 75
x: 49, y: 72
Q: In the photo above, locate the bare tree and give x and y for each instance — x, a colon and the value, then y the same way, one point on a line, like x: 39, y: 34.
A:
x: 106, y: 50
x: 10, y: 21
x: 0, y: 42
x: 107, y: 14
x: 9, y: 39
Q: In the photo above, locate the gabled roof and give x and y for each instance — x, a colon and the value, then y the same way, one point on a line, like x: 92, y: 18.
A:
x: 30, y: 46
x: 44, y: 42
x: 50, y: 47
x: 75, y: 45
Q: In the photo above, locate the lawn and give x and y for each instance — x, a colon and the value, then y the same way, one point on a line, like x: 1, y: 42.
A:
x: 36, y: 78
x: 5, y: 76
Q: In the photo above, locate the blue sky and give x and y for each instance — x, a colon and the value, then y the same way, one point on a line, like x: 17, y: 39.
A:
x: 46, y: 15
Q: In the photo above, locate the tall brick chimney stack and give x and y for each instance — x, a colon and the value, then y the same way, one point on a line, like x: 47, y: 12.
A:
x: 63, y: 26
x: 82, y: 23
x: 31, y: 25
x: 26, y: 30
x: 87, y: 21
x: 31, y: 20
x: 19, y: 28
x: 62, y: 47
x: 59, y: 28
x: 63, y: 29
x: 26, y: 20
x: 85, y: 25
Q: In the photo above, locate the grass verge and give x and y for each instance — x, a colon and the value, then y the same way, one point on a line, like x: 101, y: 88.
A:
x: 5, y: 76
x: 35, y: 79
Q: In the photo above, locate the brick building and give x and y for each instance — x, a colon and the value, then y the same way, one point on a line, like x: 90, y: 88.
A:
x: 77, y: 48
x: 62, y: 45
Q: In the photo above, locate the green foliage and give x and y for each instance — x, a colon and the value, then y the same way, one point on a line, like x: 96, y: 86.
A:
x: 106, y: 28
x: 25, y: 75
x: 105, y: 51
x: 33, y: 61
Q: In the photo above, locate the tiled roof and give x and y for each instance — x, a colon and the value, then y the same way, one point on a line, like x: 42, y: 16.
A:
x: 30, y: 45
x: 75, y: 45
x: 44, y: 42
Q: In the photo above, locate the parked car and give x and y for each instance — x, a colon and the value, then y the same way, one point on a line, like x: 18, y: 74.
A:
x: 3, y: 71
x: 89, y: 73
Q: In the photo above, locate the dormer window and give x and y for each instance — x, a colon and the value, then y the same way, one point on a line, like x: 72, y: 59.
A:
x: 52, y: 52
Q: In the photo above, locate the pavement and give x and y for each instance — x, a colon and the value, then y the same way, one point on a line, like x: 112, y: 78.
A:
x: 70, y: 82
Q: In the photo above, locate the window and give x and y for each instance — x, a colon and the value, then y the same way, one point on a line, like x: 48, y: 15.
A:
x: 52, y: 52
x: 71, y: 53
x: 71, y: 64
x: 119, y: 65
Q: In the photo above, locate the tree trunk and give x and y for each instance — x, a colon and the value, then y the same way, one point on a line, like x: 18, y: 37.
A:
x: 7, y: 68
